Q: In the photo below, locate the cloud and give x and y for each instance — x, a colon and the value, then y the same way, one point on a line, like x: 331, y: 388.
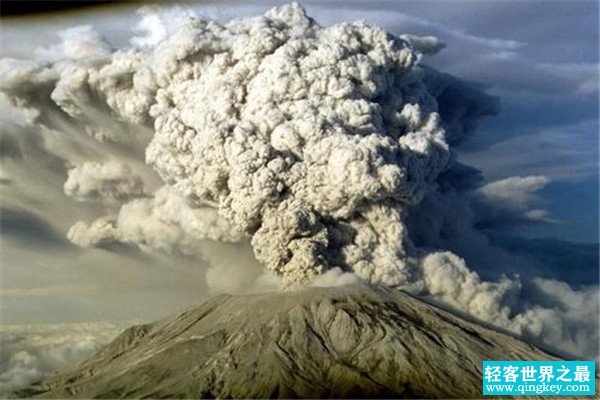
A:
x: 46, y: 292
x: 102, y: 232
x: 29, y: 353
x: 10, y: 147
x: 515, y: 192
x: 335, y: 277
x: 562, y: 153
x: 574, y: 263
x: 21, y: 225
x: 317, y: 128
x: 510, y: 202
x: 587, y: 74
x: 328, y: 148
x: 560, y: 316
x: 160, y: 222
x: 80, y: 42
x: 110, y: 182
x: 490, y: 52
x: 233, y: 269
x: 157, y: 23
x: 79, y: 91
x: 424, y: 44
x: 502, y: 46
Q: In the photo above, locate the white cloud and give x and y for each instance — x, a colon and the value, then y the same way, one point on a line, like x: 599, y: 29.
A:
x: 31, y: 352
x: 316, y: 142
x: 110, y: 182
x: 558, y: 316
x: 563, y: 153
x: 516, y: 191
x: 512, y: 200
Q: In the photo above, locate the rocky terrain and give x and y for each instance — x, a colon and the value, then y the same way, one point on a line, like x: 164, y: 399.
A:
x: 342, y: 342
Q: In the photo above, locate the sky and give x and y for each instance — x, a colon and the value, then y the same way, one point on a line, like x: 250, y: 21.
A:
x: 540, y: 58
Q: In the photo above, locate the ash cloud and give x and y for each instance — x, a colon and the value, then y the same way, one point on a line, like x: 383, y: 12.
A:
x: 424, y: 44
x: 164, y: 222
x: 300, y: 135
x: 327, y: 148
x: 544, y: 309
x: 111, y: 182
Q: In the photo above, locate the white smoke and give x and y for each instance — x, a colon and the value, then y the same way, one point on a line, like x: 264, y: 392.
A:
x: 517, y: 195
x: 162, y: 222
x: 515, y: 191
x: 424, y: 44
x: 110, y: 182
x: 157, y: 23
x: 327, y: 147
x: 562, y: 317
x: 292, y: 130
x: 77, y: 43
x: 335, y: 277
x: 511, y: 202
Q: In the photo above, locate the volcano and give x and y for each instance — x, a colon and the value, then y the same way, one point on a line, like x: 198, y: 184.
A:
x: 352, y: 341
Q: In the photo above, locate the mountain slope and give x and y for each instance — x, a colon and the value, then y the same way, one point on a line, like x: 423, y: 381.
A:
x: 347, y: 341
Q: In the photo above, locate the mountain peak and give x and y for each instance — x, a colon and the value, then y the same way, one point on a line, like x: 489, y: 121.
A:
x: 341, y: 342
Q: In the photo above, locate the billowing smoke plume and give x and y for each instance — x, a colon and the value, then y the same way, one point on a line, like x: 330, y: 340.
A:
x: 111, y: 182
x: 327, y: 147
x: 163, y: 222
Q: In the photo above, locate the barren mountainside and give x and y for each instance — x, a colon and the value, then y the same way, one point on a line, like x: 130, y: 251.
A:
x: 347, y: 341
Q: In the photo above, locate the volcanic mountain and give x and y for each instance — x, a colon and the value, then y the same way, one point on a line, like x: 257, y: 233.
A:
x: 341, y: 342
